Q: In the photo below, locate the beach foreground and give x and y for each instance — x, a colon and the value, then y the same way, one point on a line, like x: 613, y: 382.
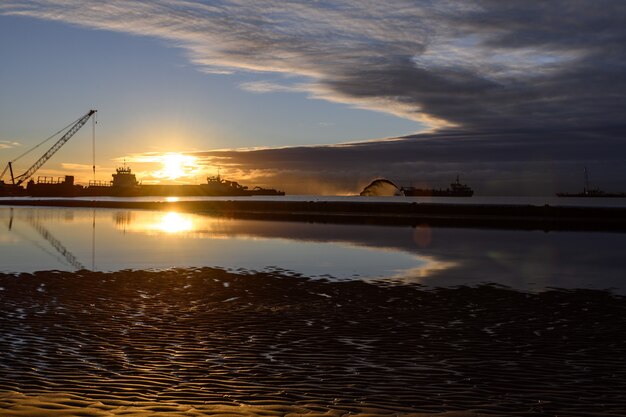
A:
x: 211, y: 342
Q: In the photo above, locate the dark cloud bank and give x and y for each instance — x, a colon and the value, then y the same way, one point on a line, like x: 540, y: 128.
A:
x: 512, y: 163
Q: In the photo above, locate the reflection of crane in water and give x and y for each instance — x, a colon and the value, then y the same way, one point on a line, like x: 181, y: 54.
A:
x: 54, y: 242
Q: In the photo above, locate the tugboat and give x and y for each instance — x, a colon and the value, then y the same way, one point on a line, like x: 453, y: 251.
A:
x: 217, y: 186
x: 456, y: 189
x: 124, y: 178
x: 124, y: 184
x: 265, y: 191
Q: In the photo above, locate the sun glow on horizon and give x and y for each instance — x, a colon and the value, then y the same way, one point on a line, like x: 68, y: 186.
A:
x: 175, y: 166
x: 168, y: 167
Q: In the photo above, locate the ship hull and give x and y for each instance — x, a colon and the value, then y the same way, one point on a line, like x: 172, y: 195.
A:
x: 592, y: 195
x: 456, y: 189
x: 125, y: 184
x: 64, y: 190
x: 10, y: 190
x: 420, y: 192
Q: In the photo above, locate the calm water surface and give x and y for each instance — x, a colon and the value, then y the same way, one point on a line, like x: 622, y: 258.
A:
x: 33, y: 239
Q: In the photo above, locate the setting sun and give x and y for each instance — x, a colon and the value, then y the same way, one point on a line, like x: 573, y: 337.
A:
x: 176, y: 165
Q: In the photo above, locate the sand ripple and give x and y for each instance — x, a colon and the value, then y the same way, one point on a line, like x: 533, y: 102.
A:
x: 208, y: 342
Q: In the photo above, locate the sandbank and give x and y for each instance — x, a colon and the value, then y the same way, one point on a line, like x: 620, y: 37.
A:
x: 213, y: 342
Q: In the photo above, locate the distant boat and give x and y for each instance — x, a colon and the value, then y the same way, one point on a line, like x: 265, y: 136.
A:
x: 456, y: 189
x: 591, y: 192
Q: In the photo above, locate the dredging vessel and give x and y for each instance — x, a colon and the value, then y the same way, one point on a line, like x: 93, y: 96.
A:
x: 456, y: 189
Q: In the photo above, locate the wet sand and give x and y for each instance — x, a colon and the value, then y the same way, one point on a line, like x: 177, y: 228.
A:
x: 526, y: 217
x: 210, y: 342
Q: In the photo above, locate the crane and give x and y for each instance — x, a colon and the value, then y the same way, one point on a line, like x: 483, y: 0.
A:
x: 17, y: 181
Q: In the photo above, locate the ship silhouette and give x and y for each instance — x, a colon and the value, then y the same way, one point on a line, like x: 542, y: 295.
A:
x: 384, y: 187
x: 591, y: 192
x: 456, y: 189
x: 125, y: 184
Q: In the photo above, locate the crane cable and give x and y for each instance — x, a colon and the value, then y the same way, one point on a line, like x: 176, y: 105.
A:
x: 38, y: 145
x: 93, y: 138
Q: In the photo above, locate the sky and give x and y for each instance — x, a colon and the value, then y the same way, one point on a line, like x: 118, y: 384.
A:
x: 322, y: 97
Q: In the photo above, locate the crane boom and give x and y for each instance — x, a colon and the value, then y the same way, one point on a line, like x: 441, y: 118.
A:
x: 44, y: 158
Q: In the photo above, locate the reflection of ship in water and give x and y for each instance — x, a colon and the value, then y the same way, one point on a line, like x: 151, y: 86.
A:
x: 123, y: 219
x: 125, y: 184
x: 384, y: 187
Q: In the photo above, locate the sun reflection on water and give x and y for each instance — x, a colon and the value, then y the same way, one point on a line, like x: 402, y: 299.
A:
x: 156, y: 223
x: 173, y: 222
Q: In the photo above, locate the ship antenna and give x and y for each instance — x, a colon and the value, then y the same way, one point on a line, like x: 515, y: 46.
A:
x: 586, y: 181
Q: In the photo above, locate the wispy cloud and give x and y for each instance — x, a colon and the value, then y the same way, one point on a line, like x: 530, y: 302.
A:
x: 6, y: 144
x: 270, y: 87
x: 77, y: 167
x: 481, y: 64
